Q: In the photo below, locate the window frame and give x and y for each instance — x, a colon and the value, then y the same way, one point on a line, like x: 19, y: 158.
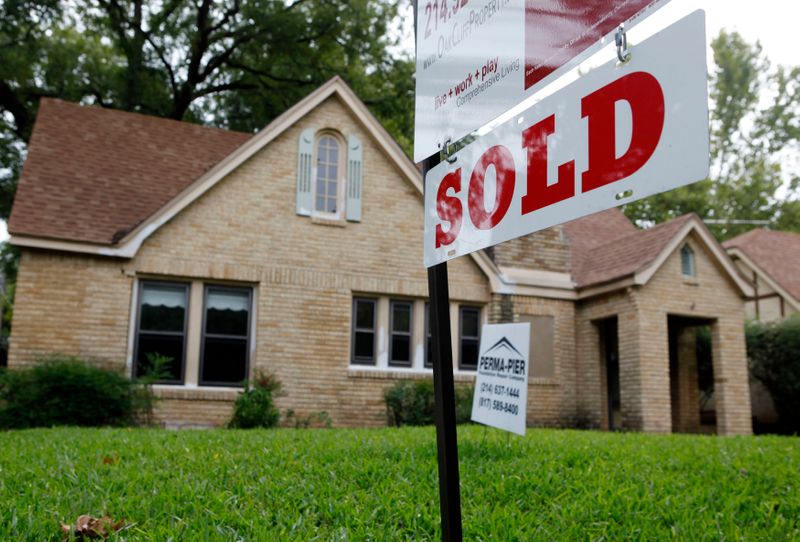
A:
x: 461, y: 337
x: 688, y: 257
x: 203, y: 334
x: 341, y: 174
x: 427, y: 339
x: 143, y: 283
x: 410, y: 334
x: 354, y: 360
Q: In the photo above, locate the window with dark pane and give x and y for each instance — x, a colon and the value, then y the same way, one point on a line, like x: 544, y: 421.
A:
x: 364, y: 331
x: 469, y: 337
x: 428, y: 338
x: 327, y: 188
x: 226, y: 330
x: 400, y: 324
x: 161, y: 330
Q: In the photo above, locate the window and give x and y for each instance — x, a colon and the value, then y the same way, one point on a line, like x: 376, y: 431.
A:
x: 364, y: 331
x: 161, y: 328
x: 687, y: 261
x: 225, y: 346
x: 469, y: 337
x: 428, y: 338
x: 400, y: 324
x: 327, y: 187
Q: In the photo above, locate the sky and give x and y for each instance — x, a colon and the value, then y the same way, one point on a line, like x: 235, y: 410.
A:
x: 772, y: 22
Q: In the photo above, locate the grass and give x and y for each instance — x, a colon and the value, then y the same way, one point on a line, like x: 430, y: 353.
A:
x: 382, y: 485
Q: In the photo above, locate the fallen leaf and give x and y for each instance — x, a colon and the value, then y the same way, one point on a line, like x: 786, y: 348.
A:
x: 87, y: 526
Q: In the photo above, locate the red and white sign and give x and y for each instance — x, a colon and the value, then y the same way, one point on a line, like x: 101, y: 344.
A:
x: 476, y: 59
x: 618, y: 134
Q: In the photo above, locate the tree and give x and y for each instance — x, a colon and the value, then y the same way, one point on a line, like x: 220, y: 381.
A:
x: 748, y: 139
x: 231, y: 63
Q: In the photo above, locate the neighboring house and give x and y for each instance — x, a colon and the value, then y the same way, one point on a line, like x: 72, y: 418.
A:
x: 298, y: 251
x: 771, y: 261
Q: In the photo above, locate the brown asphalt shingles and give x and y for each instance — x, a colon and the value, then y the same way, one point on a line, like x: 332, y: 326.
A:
x: 92, y: 174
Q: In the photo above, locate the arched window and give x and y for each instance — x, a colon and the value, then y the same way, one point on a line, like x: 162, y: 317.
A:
x: 687, y: 261
x: 328, y: 174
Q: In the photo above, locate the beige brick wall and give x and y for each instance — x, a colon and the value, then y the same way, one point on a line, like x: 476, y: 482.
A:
x: 71, y: 304
x: 552, y: 401
x: 546, y: 250
x: 245, y: 230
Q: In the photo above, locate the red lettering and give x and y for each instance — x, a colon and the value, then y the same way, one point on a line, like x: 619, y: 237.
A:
x: 643, y: 92
x: 539, y: 194
x: 449, y: 209
x: 499, y: 157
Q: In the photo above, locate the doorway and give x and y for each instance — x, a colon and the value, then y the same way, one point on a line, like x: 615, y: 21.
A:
x: 609, y: 351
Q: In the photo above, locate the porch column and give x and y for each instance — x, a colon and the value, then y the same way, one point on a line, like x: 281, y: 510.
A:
x: 686, y: 389
x: 731, y: 386
x: 653, y: 368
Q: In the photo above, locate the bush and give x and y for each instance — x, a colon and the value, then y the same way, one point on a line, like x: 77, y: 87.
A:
x: 255, y: 407
x: 63, y: 390
x: 412, y: 403
x: 774, y: 353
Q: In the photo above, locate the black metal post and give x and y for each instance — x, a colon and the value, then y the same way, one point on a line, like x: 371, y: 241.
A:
x: 445, y: 406
x: 444, y: 391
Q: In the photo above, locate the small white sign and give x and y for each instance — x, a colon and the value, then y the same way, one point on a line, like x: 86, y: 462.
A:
x: 618, y: 134
x: 501, y: 387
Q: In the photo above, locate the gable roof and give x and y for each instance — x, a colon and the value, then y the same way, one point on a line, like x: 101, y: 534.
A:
x: 127, y: 244
x: 776, y: 253
x: 94, y: 174
x: 624, y: 255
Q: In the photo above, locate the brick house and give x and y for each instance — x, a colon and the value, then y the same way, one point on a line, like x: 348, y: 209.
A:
x: 770, y: 260
x: 298, y: 251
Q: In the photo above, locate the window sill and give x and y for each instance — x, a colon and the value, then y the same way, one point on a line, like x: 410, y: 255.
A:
x: 397, y: 373
x: 328, y: 221
x: 165, y: 391
x: 691, y: 281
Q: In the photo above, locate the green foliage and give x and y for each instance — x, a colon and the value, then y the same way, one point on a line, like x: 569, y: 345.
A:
x: 749, y: 142
x: 299, y: 485
x: 774, y: 352
x: 255, y: 407
x: 313, y: 419
x: 411, y: 402
x: 63, y: 390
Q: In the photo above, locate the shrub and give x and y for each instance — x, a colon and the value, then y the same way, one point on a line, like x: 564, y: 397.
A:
x: 412, y: 403
x: 255, y: 407
x: 64, y: 390
x: 774, y: 353
x: 313, y: 419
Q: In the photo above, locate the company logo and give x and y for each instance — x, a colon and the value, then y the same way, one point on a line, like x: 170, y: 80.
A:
x: 502, y: 358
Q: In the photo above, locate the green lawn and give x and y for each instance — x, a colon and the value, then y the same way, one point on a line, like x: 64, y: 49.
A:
x: 382, y: 485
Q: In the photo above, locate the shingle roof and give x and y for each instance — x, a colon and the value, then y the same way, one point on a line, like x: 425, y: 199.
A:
x: 606, y: 246
x: 92, y: 174
x: 776, y: 252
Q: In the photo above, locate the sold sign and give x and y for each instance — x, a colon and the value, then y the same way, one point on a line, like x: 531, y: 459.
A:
x: 618, y: 134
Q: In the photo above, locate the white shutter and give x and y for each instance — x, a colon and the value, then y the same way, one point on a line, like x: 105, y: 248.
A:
x: 305, y: 153
x: 355, y: 155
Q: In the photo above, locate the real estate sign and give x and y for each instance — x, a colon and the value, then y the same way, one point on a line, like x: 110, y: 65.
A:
x: 476, y: 59
x: 619, y: 133
x: 501, y: 386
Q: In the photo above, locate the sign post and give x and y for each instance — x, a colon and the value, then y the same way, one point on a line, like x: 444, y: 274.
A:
x: 621, y: 132
x: 444, y: 392
x: 444, y: 388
